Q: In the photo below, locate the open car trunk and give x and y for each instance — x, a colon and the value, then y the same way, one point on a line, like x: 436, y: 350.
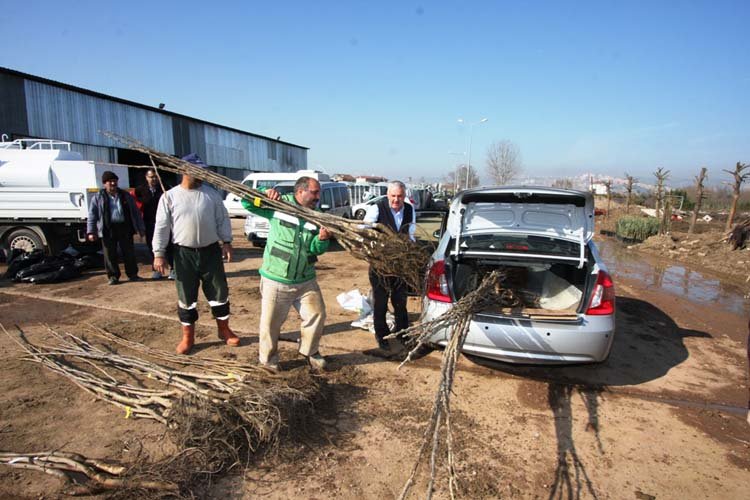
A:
x: 537, y: 237
x: 531, y: 289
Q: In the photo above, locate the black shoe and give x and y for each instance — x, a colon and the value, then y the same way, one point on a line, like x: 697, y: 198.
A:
x: 135, y: 278
x: 113, y: 281
x: 383, y: 344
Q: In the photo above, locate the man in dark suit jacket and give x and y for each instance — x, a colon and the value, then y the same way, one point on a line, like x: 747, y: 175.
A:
x: 148, y: 196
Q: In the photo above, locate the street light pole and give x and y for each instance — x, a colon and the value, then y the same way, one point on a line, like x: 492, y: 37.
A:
x: 456, y: 174
x: 471, y: 133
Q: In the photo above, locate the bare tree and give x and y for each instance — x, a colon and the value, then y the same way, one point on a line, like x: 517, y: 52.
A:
x: 699, y: 197
x: 566, y: 183
x: 460, y: 184
x: 608, y: 185
x: 661, y: 175
x: 450, y: 180
x: 503, y: 161
x: 629, y: 189
x: 665, y: 224
x: 739, y: 178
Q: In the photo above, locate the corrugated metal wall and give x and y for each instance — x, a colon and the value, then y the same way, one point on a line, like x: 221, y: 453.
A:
x: 37, y: 109
x: 189, y: 137
x: 95, y: 153
x: 226, y: 147
x: 12, y: 106
x: 71, y: 116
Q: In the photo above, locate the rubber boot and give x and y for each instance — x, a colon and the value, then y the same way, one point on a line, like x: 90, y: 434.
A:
x: 226, y: 334
x: 188, y: 339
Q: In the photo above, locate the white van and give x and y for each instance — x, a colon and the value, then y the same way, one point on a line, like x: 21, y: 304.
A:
x: 334, y: 199
x: 265, y: 180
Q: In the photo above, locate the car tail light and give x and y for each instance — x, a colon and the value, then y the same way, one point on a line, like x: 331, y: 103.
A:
x: 603, y: 297
x: 437, y: 283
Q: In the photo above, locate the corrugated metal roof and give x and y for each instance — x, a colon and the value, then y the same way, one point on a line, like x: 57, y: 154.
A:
x: 53, y: 83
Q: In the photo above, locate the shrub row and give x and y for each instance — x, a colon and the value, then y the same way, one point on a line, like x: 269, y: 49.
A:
x: 636, y: 228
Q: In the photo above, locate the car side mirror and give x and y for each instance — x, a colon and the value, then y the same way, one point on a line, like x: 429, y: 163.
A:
x: 436, y: 234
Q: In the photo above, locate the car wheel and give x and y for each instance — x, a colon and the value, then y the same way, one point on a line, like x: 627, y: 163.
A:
x: 24, y: 239
x: 360, y: 214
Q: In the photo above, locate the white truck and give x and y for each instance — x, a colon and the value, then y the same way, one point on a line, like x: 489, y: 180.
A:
x: 45, y: 190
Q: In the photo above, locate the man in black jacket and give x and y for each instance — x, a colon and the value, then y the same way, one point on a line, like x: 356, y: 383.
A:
x: 399, y: 216
x: 148, y: 196
x: 114, y: 218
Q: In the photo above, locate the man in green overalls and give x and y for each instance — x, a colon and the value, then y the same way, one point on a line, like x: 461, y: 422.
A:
x: 288, y: 274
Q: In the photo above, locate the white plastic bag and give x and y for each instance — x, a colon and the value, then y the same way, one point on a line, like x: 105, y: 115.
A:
x: 366, y: 322
x: 354, y: 301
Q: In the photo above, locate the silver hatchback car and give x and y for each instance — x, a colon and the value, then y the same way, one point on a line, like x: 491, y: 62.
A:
x: 541, y: 239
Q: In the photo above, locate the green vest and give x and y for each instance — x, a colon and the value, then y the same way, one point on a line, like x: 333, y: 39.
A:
x: 292, y: 247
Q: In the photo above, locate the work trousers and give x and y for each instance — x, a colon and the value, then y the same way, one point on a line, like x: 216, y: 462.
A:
x: 119, y: 235
x: 195, y: 267
x: 382, y: 289
x: 277, y: 298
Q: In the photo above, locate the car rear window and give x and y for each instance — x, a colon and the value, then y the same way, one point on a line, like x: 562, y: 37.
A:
x: 263, y: 185
x: 540, y: 245
x: 284, y: 188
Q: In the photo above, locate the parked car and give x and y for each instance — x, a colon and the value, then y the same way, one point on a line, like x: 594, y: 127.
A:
x: 541, y: 238
x: 334, y: 199
x: 360, y: 209
x: 264, y: 180
x: 425, y: 197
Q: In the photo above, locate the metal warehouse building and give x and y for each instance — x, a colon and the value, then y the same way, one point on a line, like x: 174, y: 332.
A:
x: 35, y: 107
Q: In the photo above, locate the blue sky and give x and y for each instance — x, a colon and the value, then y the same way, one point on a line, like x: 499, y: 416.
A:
x: 377, y: 87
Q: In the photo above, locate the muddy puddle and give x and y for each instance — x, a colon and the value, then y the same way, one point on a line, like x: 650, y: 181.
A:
x: 672, y: 278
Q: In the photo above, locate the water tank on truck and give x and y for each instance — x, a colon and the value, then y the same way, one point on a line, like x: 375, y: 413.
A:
x: 45, y: 190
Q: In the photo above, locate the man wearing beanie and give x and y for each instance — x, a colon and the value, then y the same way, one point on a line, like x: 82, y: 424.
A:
x: 202, y: 236
x: 114, y: 218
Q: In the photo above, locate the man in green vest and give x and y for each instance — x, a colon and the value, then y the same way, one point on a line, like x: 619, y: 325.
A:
x: 288, y: 274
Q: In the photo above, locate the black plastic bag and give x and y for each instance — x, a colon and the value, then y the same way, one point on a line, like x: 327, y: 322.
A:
x: 65, y: 272
x: 22, y: 261
x: 47, y: 264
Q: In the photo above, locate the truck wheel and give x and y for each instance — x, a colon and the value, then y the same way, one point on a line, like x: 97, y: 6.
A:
x: 360, y: 214
x: 24, y: 239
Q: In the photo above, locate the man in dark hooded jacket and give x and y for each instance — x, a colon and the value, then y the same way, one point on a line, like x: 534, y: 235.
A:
x: 114, y: 218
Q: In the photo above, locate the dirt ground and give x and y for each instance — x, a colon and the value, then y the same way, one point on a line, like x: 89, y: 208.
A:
x: 705, y: 249
x: 663, y: 417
